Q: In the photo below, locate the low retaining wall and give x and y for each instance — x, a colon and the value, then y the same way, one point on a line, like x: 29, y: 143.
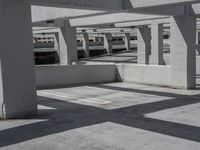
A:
x: 146, y: 74
x: 60, y: 76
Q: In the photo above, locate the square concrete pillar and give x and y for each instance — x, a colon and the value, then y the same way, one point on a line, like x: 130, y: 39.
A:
x: 183, y: 51
x: 17, y: 74
x: 156, y: 44
x: 197, y: 43
x: 127, y: 41
x: 108, y: 42
x: 56, y: 41
x: 86, y: 47
x: 68, y: 44
x: 143, y: 44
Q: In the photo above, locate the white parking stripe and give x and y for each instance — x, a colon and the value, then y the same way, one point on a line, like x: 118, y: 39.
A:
x: 63, y: 95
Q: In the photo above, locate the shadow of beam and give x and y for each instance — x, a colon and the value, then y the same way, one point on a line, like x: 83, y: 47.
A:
x: 67, y: 116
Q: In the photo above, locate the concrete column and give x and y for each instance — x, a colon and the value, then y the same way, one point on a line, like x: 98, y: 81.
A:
x: 17, y: 74
x: 68, y: 44
x: 183, y: 51
x: 127, y: 41
x: 56, y: 46
x: 144, y: 44
x: 197, y: 43
x: 108, y: 42
x: 56, y: 41
x: 157, y: 44
x: 86, y: 44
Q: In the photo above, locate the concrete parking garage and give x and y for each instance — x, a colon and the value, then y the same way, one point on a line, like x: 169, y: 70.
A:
x: 93, y: 104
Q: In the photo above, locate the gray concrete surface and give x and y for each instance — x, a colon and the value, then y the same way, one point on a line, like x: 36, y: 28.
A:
x: 17, y: 85
x: 67, y: 75
x: 146, y: 74
x: 117, y: 116
x: 183, y: 51
x: 68, y: 45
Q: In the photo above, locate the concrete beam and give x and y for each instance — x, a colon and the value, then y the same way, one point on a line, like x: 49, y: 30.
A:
x: 117, y: 5
x: 17, y: 75
x: 110, y: 18
x: 101, y: 18
x: 169, y: 7
x: 153, y: 3
x: 49, y: 13
x: 83, y: 4
x: 162, y: 20
x: 41, y: 13
x: 164, y: 10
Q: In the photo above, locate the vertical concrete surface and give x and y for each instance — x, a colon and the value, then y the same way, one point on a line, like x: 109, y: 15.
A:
x: 17, y: 74
x: 197, y: 43
x: 56, y: 41
x: 127, y: 41
x: 157, y: 44
x: 86, y: 44
x: 144, y: 44
x: 183, y: 50
x: 108, y: 42
x: 68, y: 44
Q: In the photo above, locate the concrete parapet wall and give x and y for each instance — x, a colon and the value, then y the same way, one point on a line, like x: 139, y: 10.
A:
x: 61, y: 76
x: 167, y: 62
x: 146, y: 74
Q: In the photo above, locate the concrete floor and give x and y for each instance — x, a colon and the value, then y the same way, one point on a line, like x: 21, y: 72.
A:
x: 115, y: 116
x: 127, y: 57
x: 124, y: 57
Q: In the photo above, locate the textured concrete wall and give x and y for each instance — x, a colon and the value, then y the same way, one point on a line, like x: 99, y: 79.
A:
x: 60, y: 76
x: 151, y: 74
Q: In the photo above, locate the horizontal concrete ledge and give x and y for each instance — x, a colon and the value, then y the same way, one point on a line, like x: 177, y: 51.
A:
x: 58, y: 76
x: 145, y: 74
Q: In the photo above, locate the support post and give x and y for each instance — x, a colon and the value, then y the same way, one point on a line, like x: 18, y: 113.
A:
x: 86, y: 44
x: 108, y: 42
x: 143, y: 44
x: 157, y: 44
x: 197, y: 42
x: 17, y: 72
x: 127, y: 41
x: 68, y: 44
x: 183, y: 50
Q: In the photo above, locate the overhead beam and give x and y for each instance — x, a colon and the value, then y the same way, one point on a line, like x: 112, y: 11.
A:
x: 163, y: 20
x: 153, y: 3
x: 174, y: 10
x: 86, y: 18
x: 41, y: 13
x: 83, y: 4
x: 109, y: 4
x: 110, y: 18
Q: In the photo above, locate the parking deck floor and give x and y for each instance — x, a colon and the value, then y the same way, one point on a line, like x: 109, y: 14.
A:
x: 115, y: 116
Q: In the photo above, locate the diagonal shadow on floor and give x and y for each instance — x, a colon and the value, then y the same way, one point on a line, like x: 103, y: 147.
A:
x: 67, y: 116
